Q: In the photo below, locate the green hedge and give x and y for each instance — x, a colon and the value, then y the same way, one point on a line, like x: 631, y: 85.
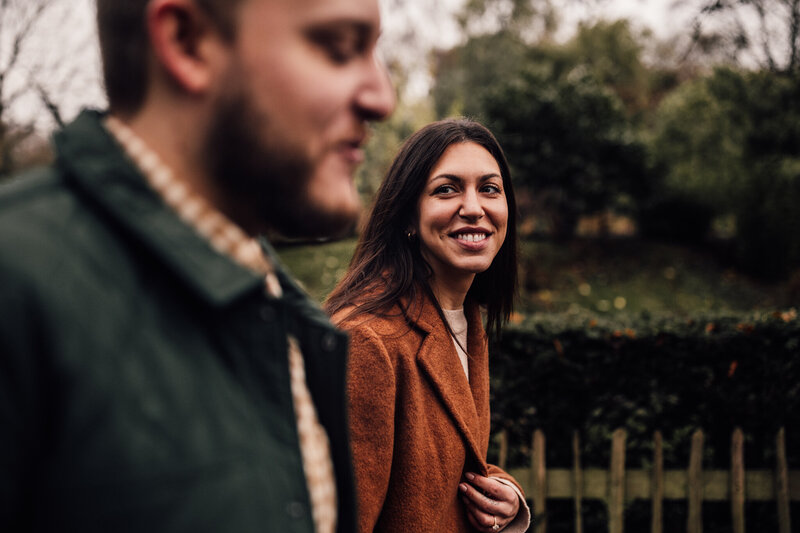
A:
x: 593, y: 374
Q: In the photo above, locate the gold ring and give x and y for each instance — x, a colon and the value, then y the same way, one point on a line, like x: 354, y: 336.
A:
x: 495, y: 527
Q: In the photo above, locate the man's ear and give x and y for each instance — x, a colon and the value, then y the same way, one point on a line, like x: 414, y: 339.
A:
x: 186, y: 43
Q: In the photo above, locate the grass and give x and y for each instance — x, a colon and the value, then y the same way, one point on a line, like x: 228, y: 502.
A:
x: 319, y: 266
x: 603, y: 276
x: 633, y: 276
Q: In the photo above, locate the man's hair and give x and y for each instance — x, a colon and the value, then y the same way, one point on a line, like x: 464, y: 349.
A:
x: 125, y: 46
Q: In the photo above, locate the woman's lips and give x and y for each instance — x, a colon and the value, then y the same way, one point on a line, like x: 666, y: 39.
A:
x: 471, y: 240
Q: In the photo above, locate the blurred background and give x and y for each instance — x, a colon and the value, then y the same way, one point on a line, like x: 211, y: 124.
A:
x: 654, y: 143
x: 655, y: 150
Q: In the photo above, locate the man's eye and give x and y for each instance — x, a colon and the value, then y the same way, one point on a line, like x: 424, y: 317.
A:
x: 341, y: 52
x: 338, y: 46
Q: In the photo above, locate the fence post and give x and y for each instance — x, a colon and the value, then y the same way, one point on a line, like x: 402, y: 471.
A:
x: 657, y: 487
x: 616, y: 496
x: 577, y: 478
x: 782, y: 483
x: 539, y: 481
x: 737, y: 480
x: 502, y: 454
x: 695, y: 484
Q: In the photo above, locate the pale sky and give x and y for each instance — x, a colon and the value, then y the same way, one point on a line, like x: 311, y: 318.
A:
x: 436, y: 27
x: 664, y: 17
x: 69, y: 33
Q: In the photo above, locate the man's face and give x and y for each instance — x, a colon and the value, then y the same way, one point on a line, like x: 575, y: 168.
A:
x: 291, y: 112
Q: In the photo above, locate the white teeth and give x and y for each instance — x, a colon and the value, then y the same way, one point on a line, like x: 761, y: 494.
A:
x: 471, y: 237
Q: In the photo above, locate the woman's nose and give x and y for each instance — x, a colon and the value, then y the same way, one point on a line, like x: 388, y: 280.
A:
x: 471, y: 206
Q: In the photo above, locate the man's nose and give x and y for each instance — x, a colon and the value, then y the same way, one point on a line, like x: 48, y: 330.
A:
x: 377, y: 99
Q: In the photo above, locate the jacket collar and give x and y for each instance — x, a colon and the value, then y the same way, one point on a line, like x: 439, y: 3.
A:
x: 466, y: 401
x: 96, y: 165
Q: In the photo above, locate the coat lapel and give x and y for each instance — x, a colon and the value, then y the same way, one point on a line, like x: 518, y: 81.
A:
x: 477, y: 347
x: 438, y: 359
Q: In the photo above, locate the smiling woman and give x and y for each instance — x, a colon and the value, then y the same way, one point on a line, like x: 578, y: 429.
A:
x: 462, y: 220
x: 451, y: 164
x: 439, y: 244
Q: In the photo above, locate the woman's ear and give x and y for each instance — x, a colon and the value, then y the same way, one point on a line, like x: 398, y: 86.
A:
x: 186, y: 43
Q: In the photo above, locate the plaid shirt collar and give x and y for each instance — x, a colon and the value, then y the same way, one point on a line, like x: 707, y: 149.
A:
x: 222, y: 234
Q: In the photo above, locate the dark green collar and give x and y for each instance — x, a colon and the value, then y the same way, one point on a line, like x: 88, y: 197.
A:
x: 95, y: 163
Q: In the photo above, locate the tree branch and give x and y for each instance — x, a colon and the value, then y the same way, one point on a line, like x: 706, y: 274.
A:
x: 794, y: 33
x: 23, y: 33
x: 758, y: 5
x: 50, y: 105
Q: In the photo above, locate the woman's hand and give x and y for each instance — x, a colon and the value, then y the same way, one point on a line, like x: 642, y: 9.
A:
x: 491, y: 505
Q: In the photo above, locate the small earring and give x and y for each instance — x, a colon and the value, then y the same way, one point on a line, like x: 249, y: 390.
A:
x: 410, y: 235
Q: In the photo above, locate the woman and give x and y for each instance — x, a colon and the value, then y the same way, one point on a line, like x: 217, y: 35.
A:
x: 440, y: 242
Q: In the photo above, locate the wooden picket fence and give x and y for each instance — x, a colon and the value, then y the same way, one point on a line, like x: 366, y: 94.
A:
x: 616, y: 486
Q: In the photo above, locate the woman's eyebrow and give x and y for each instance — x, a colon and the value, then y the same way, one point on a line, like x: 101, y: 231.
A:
x: 446, y: 176
x: 459, y: 179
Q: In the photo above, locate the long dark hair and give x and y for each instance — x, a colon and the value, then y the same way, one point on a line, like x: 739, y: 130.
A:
x: 388, y: 267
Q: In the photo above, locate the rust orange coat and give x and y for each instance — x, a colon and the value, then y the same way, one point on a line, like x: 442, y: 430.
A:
x: 417, y: 425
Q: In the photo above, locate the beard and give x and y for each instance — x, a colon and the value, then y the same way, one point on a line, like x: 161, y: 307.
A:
x: 262, y: 178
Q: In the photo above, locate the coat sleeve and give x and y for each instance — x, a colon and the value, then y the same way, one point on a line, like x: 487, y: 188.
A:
x: 522, y: 521
x: 371, y: 392
x: 21, y: 413
x: 496, y: 471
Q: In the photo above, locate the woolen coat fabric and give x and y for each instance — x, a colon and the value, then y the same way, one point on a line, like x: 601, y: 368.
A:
x: 417, y: 425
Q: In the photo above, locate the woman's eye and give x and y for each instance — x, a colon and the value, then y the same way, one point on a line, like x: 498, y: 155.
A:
x: 444, y: 189
x: 492, y: 189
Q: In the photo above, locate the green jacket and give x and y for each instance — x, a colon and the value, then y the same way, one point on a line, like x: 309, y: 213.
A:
x: 144, y: 381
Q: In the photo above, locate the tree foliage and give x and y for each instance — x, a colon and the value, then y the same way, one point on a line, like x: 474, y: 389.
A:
x: 562, y: 112
x: 466, y: 73
x: 613, y: 53
x: 569, y: 143
x: 700, y: 134
x: 733, y: 140
x: 385, y: 142
x: 528, y: 19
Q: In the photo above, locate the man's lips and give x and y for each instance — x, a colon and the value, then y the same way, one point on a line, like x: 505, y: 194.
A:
x: 352, y: 152
x: 352, y: 149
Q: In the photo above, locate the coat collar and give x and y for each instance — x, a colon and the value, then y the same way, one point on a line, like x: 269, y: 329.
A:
x: 466, y: 401
x: 96, y: 164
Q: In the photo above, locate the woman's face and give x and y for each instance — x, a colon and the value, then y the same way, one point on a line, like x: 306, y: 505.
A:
x: 462, y: 213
